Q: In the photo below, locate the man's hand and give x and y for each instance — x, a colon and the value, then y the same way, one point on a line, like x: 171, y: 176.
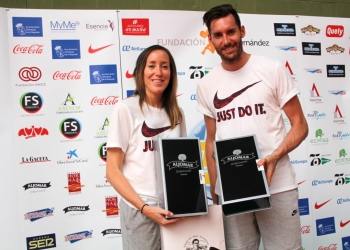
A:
x: 269, y: 163
x: 158, y: 214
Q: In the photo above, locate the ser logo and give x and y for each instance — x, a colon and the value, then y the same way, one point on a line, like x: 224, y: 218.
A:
x: 31, y: 102
x: 41, y: 242
x: 70, y: 128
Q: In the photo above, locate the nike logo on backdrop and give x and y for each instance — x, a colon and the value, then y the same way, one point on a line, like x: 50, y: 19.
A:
x: 150, y: 132
x: 220, y: 103
x: 128, y: 75
x: 91, y: 50
x: 344, y: 224
x: 317, y: 206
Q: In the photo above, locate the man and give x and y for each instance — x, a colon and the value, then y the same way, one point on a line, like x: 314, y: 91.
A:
x: 263, y: 88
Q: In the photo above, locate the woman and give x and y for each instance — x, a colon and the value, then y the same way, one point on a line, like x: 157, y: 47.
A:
x: 136, y: 124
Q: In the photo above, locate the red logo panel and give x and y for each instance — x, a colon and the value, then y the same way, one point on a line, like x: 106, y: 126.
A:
x: 135, y: 26
x: 334, y: 31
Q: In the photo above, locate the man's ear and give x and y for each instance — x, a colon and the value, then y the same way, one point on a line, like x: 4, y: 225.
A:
x: 243, y: 31
x: 209, y: 38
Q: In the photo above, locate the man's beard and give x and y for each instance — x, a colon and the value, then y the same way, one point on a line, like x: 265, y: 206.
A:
x: 235, y: 57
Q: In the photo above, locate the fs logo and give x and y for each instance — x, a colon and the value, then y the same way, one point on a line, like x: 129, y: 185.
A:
x: 112, y: 209
x: 196, y: 72
x: 74, y: 184
x: 32, y: 132
x: 70, y: 128
x: 27, y: 74
x: 31, y: 102
x: 41, y: 242
x: 102, y: 151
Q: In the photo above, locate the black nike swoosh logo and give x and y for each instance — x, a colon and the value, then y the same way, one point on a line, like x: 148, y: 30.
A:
x: 150, y: 132
x: 220, y: 103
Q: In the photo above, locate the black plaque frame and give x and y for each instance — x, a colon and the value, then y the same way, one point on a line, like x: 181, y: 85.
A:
x: 183, y: 176
x: 243, y: 185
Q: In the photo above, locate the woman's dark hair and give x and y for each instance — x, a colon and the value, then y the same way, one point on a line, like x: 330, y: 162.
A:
x: 219, y: 12
x: 169, y: 100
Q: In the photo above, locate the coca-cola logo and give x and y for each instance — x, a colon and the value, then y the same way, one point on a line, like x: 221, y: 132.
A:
x: 72, y: 75
x: 305, y: 229
x: 334, y: 31
x: 110, y: 100
x: 330, y: 247
x: 32, y: 49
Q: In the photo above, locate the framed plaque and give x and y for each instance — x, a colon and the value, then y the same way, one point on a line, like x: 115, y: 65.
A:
x: 183, y: 176
x: 243, y: 184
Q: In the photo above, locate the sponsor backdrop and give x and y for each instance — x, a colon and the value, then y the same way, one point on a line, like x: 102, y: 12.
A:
x: 66, y: 70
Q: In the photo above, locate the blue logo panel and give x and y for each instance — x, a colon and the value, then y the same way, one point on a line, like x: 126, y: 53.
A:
x: 65, y: 49
x: 129, y: 93
x: 103, y: 74
x: 325, y: 226
x: 346, y: 243
x: 303, y: 206
x: 27, y: 26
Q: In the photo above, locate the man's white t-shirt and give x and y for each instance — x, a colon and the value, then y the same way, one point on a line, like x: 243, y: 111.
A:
x: 250, y: 101
x: 137, y: 132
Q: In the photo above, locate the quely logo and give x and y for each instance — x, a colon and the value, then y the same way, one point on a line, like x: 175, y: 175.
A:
x: 31, y: 102
x: 112, y: 208
x: 32, y: 49
x: 182, y: 163
x: 39, y: 214
x: 72, y: 238
x: 334, y: 31
x: 32, y: 132
x: 28, y: 74
x: 310, y: 30
x: 237, y: 157
x: 341, y: 179
x: 74, y: 184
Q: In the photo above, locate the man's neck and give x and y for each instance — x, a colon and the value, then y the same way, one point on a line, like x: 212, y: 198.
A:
x: 236, y: 65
